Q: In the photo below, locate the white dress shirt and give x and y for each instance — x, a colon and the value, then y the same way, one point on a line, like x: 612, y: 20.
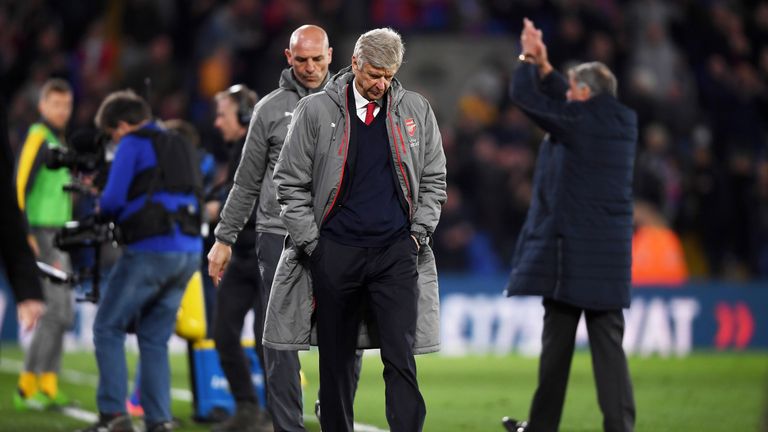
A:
x: 361, y: 103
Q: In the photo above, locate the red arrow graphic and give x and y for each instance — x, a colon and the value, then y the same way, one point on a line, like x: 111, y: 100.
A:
x: 746, y: 325
x: 725, y: 325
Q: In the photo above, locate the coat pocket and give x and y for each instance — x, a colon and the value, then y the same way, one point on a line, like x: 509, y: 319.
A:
x: 428, y: 308
x: 289, y: 311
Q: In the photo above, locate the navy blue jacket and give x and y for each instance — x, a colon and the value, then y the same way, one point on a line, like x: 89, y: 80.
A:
x: 135, y: 154
x: 576, y: 243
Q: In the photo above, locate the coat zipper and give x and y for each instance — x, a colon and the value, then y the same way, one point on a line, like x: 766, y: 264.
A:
x: 408, y: 197
x: 344, y: 144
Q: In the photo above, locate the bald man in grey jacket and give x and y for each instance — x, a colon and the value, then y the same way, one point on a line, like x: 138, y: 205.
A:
x: 309, y: 55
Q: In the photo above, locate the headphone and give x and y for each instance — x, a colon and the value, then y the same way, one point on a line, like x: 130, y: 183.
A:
x: 246, y: 99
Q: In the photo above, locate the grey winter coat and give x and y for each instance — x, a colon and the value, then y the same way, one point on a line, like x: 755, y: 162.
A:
x: 308, y: 175
x: 253, y: 179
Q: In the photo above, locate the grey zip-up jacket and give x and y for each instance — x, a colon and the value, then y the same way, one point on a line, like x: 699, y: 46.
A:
x: 308, y: 176
x: 253, y: 179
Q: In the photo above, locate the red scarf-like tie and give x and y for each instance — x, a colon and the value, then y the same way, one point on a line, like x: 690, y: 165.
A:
x: 369, y: 112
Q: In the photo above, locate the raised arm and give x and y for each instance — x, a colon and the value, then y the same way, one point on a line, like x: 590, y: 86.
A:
x: 537, y: 88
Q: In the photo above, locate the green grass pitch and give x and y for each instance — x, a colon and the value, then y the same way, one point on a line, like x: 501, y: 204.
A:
x: 704, y: 392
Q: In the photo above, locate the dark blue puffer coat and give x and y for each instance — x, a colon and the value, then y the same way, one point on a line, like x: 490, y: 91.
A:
x: 576, y: 243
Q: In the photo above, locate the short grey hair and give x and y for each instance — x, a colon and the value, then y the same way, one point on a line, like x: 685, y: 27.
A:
x: 381, y: 48
x: 596, y: 76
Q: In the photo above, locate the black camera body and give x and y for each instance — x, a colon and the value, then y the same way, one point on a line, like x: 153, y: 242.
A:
x: 89, y: 232
x: 63, y: 157
x: 85, y: 155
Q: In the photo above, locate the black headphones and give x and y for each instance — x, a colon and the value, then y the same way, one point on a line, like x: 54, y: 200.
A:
x: 245, y: 98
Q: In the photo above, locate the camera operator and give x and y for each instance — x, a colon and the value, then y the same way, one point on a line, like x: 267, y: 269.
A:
x: 47, y: 208
x: 153, y: 194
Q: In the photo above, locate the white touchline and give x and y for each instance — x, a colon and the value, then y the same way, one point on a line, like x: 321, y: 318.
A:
x: 81, y: 378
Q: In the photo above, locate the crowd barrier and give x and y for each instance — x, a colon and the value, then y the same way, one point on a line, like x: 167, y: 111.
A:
x: 477, y: 319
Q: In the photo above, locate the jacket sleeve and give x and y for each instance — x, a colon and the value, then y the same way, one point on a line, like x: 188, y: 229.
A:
x: 432, y: 184
x: 16, y: 254
x: 30, y: 162
x: 121, y: 173
x: 248, y: 180
x: 293, y: 178
x: 552, y: 113
x: 14, y: 249
x: 554, y: 85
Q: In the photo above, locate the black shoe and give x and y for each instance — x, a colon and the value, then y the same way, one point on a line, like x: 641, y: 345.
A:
x: 162, y: 427
x: 248, y: 417
x: 512, y: 425
x: 111, y: 423
x: 317, y: 410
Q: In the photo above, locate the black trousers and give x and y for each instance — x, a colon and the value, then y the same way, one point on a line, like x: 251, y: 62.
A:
x: 346, y: 280
x: 609, y: 365
x: 239, y: 292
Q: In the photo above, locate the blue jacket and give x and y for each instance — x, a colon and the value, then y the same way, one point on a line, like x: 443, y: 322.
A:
x: 576, y: 243
x: 135, y: 154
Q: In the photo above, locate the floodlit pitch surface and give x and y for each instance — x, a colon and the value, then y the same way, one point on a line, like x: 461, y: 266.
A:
x: 707, y: 391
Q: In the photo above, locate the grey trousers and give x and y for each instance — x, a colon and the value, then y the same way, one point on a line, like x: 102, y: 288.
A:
x: 44, y: 353
x: 282, y: 367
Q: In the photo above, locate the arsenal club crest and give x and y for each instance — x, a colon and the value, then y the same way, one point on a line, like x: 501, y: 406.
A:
x: 410, y: 126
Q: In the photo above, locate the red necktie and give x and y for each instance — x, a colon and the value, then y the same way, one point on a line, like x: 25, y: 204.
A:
x: 369, y: 112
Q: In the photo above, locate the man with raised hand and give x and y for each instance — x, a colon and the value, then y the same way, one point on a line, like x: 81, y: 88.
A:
x: 575, y: 247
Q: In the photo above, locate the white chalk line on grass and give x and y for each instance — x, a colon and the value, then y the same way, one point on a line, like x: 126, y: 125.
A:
x: 81, y: 378
x: 80, y: 414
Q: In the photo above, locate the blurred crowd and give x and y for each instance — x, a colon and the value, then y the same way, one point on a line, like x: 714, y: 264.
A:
x: 695, y: 71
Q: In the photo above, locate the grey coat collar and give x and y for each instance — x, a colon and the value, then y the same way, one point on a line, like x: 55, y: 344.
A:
x: 289, y: 82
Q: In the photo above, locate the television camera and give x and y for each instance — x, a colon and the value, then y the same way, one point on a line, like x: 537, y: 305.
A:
x: 87, y: 157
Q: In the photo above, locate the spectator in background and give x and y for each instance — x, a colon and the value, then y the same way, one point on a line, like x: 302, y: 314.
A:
x: 240, y: 289
x: 657, y: 254
x: 575, y: 247
x: 156, y: 75
x: 660, y: 82
x: 47, y: 208
x: 233, y: 108
x: 703, y: 219
x: 760, y: 240
x: 657, y: 172
x: 452, y: 240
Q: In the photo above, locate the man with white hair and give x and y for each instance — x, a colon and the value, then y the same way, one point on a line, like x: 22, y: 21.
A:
x: 361, y: 181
